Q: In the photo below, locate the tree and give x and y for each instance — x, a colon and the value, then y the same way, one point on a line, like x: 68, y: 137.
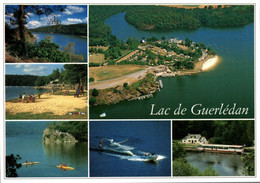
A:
x: 76, y: 73
x: 178, y: 150
x: 12, y: 165
x: 92, y: 100
x: 249, y: 163
x: 125, y: 85
x: 20, y: 14
x: 95, y: 92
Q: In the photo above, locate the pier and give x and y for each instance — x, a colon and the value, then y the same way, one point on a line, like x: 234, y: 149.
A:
x: 142, y: 97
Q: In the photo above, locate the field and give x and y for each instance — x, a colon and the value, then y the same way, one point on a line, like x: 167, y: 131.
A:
x: 113, y: 71
x: 97, y: 58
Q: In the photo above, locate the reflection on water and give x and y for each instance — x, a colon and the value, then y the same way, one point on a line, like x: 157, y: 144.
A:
x: 70, y: 153
x: 225, y: 164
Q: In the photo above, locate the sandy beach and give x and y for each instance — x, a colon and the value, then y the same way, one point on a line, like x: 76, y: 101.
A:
x: 58, y: 104
x: 210, y: 63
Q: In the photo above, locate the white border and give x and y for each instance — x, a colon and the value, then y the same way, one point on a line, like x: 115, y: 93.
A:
x: 175, y: 179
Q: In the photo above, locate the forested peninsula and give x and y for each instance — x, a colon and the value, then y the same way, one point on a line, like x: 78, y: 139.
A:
x: 165, y: 18
x: 73, y: 29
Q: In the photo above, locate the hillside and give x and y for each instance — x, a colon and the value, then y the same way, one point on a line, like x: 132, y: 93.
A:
x: 74, y: 29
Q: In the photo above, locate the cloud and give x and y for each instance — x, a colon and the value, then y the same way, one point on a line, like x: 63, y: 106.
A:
x: 72, y: 21
x: 34, y: 70
x: 34, y: 24
x: 73, y: 9
x: 29, y: 15
x: 18, y: 66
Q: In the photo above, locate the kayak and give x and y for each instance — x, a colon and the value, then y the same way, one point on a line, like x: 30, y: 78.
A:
x: 31, y: 163
x: 65, y: 167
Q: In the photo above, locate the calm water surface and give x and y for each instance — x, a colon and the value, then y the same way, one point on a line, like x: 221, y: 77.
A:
x: 30, y: 147
x: 225, y: 164
x: 12, y: 92
x: 136, y: 137
x: 80, y: 43
x: 230, y: 82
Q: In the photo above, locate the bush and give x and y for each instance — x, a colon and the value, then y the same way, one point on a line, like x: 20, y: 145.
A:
x: 91, y: 79
x: 95, y: 92
x: 125, y: 85
x: 92, y: 100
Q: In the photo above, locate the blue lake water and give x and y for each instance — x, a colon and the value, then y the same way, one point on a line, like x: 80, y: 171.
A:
x: 230, y: 82
x: 136, y: 137
x: 28, y: 144
x: 80, y: 43
x: 12, y: 92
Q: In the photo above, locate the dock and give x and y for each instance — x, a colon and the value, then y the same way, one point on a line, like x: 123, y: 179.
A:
x: 142, y: 97
x: 160, y: 84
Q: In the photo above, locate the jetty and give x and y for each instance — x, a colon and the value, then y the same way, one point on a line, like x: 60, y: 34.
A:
x: 160, y: 84
x: 142, y: 97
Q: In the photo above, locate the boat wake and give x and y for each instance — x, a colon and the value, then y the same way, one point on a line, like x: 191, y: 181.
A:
x: 126, y: 152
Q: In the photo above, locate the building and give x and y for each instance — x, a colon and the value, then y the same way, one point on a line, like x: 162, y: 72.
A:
x: 194, y: 139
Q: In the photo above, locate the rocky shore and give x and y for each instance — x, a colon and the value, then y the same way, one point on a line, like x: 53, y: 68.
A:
x: 56, y: 136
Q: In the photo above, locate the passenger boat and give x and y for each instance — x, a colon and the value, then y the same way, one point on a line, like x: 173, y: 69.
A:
x: 221, y: 148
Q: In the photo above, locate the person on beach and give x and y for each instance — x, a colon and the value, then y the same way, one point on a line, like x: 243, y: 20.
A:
x: 23, y: 97
x: 20, y: 96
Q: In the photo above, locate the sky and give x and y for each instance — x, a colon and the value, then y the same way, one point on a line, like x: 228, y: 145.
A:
x: 32, y: 69
x: 72, y: 14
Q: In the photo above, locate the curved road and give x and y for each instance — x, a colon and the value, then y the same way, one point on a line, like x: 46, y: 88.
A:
x: 131, y: 78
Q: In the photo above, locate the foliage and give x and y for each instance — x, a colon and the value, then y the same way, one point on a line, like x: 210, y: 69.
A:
x: 92, y: 100
x: 182, y: 168
x: 165, y: 18
x: 99, y: 33
x: 78, y: 129
x: 73, y: 29
x: 178, y: 150
x: 12, y: 165
x: 125, y: 85
x: 218, y: 132
x: 20, y: 80
x: 249, y: 163
x: 91, y: 79
x: 95, y: 92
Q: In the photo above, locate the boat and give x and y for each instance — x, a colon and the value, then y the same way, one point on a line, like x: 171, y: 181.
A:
x: 30, y: 163
x: 103, y: 115
x: 151, y: 157
x: 239, y: 149
x: 65, y: 167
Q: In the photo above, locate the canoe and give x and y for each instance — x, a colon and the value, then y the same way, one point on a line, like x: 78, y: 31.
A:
x: 65, y: 167
x: 31, y: 163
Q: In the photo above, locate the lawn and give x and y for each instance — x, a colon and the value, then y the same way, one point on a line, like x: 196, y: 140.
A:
x: 113, y: 71
x: 96, y: 58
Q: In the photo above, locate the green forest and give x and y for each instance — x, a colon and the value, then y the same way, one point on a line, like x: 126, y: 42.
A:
x: 99, y: 33
x: 74, y: 29
x: 217, y: 132
x: 165, y: 18
x: 70, y: 74
x: 78, y: 129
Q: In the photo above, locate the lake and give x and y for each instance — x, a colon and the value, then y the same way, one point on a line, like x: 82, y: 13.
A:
x: 230, y: 83
x: 120, y: 139
x: 25, y: 139
x: 12, y: 92
x: 225, y: 164
x: 80, y: 43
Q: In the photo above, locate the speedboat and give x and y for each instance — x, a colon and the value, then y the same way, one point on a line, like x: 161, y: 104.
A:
x: 103, y: 115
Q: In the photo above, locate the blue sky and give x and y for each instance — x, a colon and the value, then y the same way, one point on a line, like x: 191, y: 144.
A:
x: 32, y: 69
x: 72, y: 14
